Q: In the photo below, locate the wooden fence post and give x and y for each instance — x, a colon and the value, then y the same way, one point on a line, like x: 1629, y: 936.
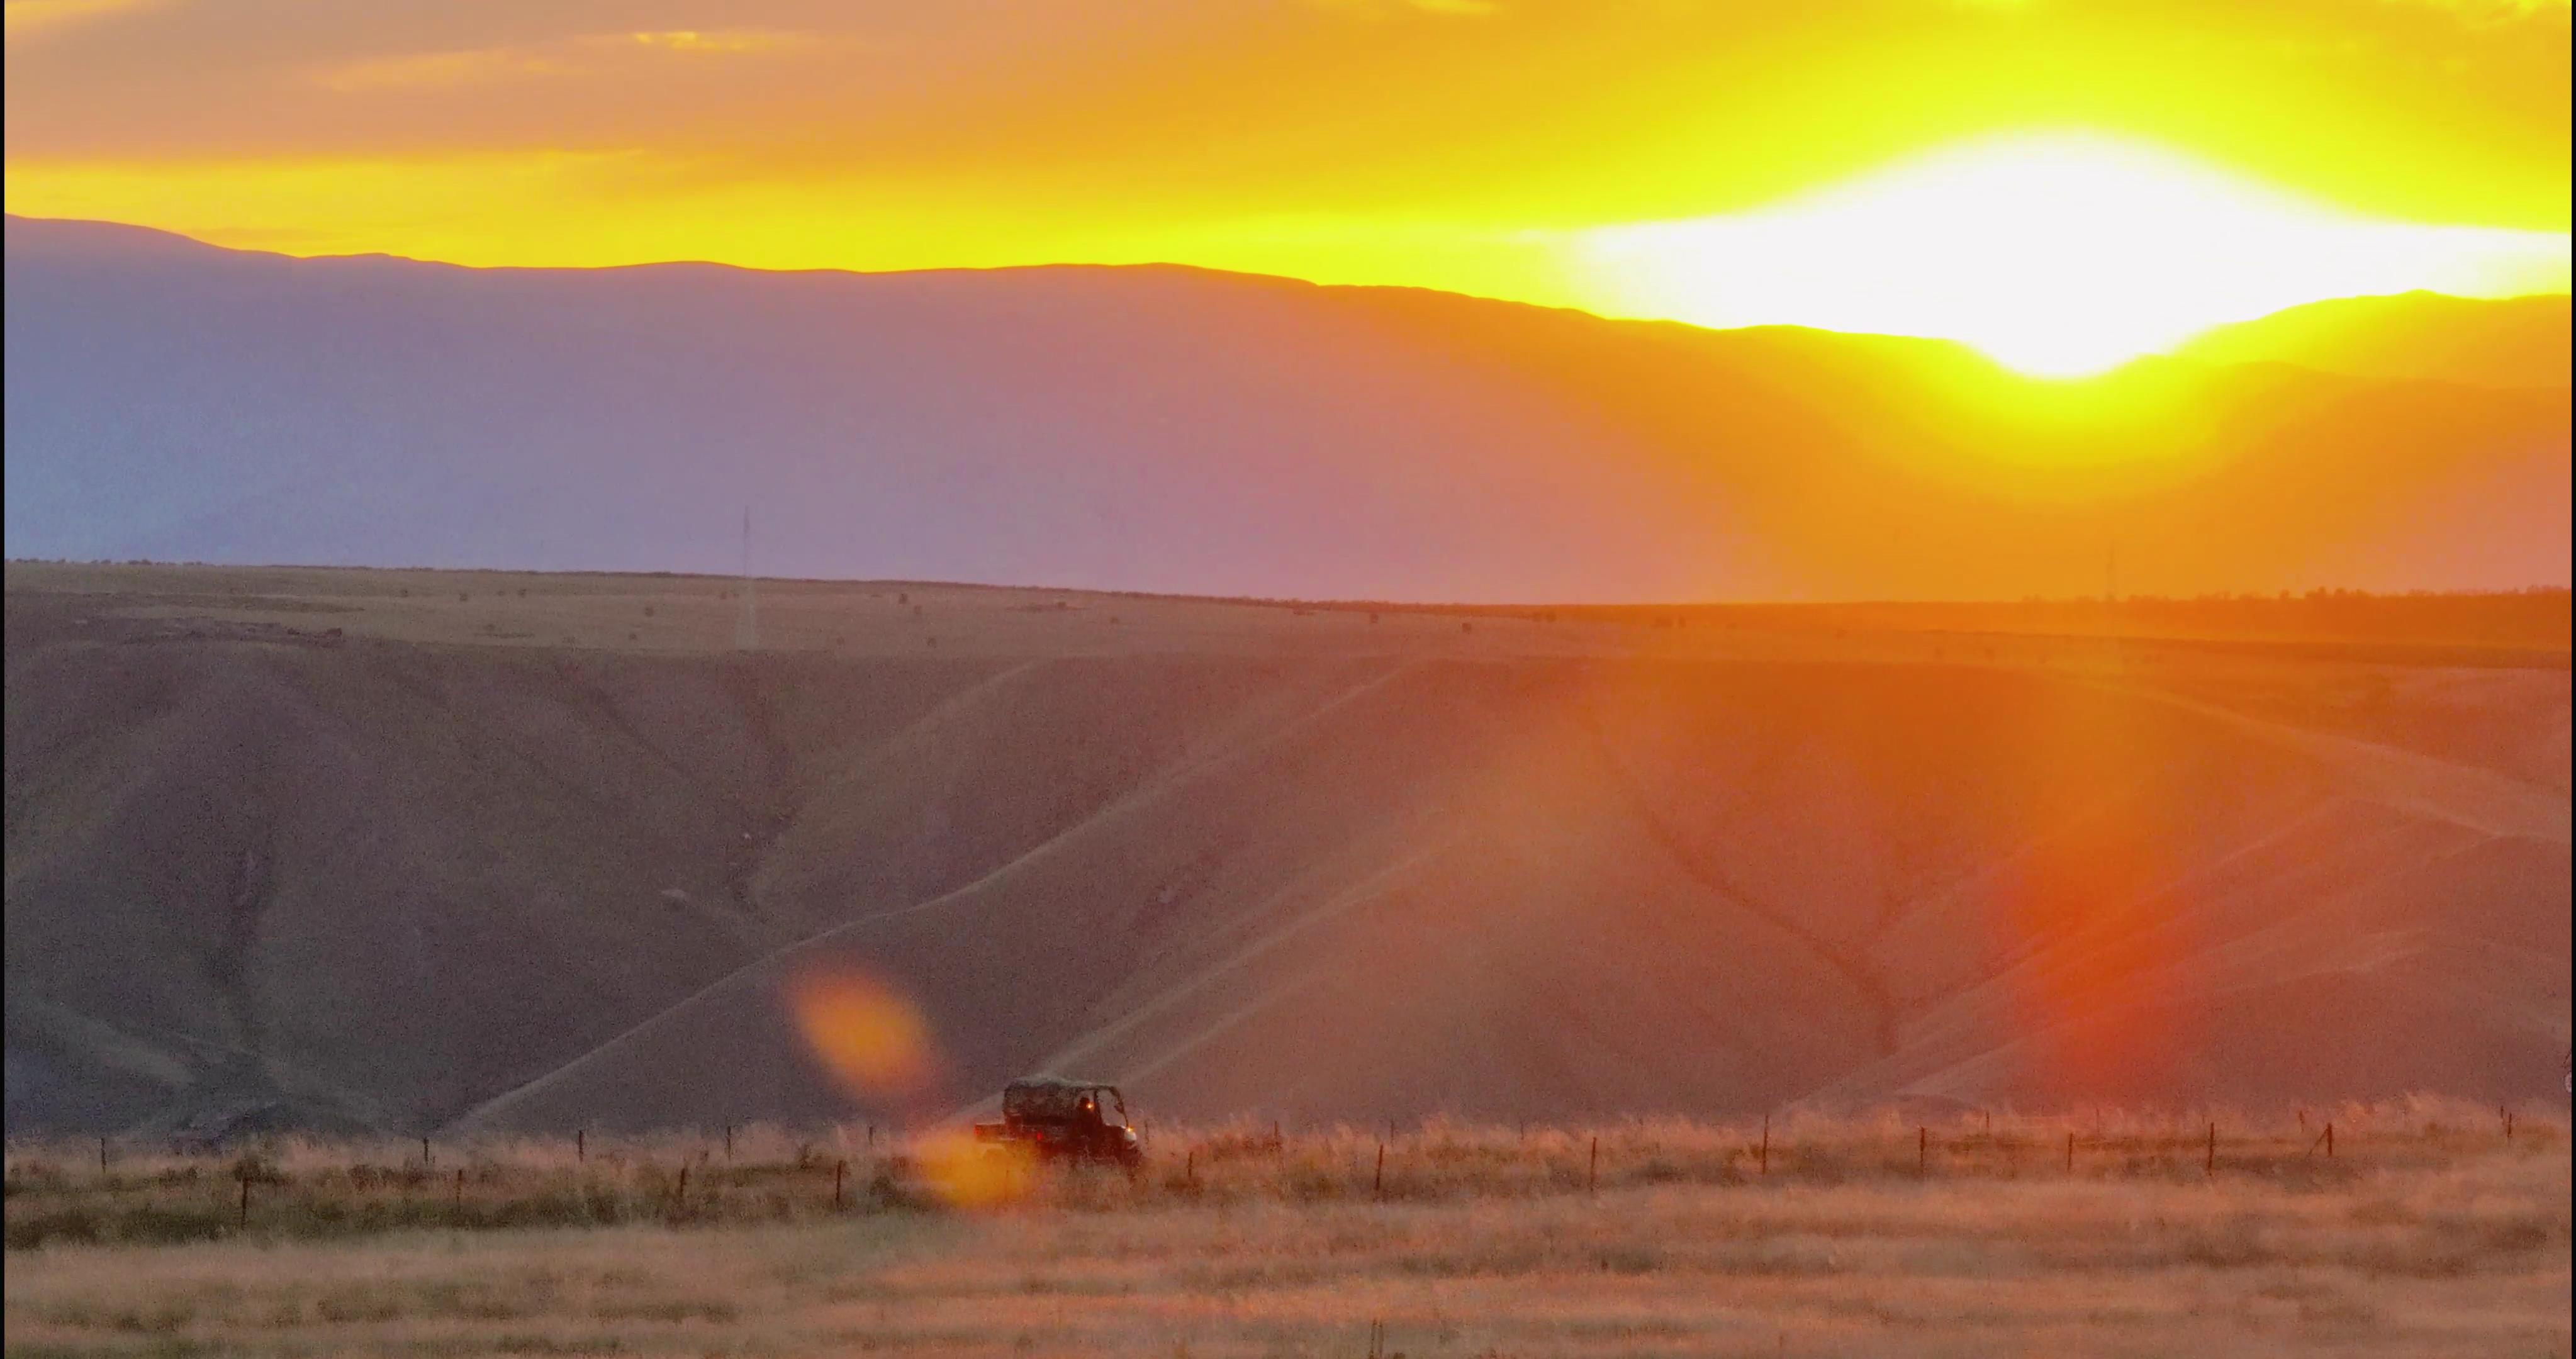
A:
x: 840, y: 1169
x: 1766, y: 1144
x: 1592, y: 1176
x: 580, y: 1145
x: 2329, y: 1141
x: 2070, y: 1151
x: 680, y: 1194
x: 456, y: 1195
x: 2209, y: 1166
x: 102, y: 1152
x: 424, y: 1153
x: 728, y: 1141
x: 245, y: 1197
x: 1922, y: 1151
x: 1377, y: 1184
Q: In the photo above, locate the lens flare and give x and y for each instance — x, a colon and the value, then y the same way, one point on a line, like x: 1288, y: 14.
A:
x: 872, y: 1039
x: 966, y: 1173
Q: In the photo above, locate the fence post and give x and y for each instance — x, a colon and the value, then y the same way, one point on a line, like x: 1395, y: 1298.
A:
x: 2210, y: 1165
x: 840, y: 1169
x: 728, y: 1141
x: 1377, y: 1184
x: 245, y: 1197
x: 456, y: 1195
x: 1922, y: 1150
x: 1592, y: 1176
x: 1766, y: 1144
x: 2329, y: 1141
x: 102, y: 1151
x: 424, y: 1153
x: 680, y: 1194
x: 580, y: 1145
x: 2070, y: 1151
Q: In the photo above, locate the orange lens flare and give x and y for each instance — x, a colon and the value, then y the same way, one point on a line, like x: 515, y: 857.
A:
x: 2113, y: 835
x: 873, y: 1040
x: 966, y: 1173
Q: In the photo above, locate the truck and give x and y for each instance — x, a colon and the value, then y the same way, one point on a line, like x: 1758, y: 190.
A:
x: 1051, y: 1118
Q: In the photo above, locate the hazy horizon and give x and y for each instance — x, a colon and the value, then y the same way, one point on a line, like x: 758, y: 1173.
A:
x: 1191, y: 432
x: 2178, y: 347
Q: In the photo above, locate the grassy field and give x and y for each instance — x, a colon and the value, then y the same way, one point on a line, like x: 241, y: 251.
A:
x: 2427, y: 1231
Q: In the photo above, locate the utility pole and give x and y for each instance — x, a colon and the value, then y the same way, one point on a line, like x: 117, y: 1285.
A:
x: 746, y: 631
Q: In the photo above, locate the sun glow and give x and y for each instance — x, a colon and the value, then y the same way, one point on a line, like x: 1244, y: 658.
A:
x: 2057, y: 255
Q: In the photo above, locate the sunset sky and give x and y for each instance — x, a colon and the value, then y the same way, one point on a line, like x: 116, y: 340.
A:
x: 2062, y: 184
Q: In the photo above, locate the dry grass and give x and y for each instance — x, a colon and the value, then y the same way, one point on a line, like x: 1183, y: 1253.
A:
x: 2427, y: 1232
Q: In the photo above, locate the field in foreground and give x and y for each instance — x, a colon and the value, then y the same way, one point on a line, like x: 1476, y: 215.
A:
x: 2428, y: 1231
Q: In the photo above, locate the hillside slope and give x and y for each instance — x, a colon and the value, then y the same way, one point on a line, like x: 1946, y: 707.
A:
x: 2426, y: 337
x: 1172, y: 429
x: 1243, y: 860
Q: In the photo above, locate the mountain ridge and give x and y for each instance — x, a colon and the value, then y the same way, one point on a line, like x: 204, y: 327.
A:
x: 2219, y: 345
x: 1187, y: 431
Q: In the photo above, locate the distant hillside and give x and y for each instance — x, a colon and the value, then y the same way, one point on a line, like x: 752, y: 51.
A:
x: 1174, y: 429
x: 2518, y: 342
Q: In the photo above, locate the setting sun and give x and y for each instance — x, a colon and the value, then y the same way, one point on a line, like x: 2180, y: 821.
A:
x: 2057, y: 255
x: 2062, y: 187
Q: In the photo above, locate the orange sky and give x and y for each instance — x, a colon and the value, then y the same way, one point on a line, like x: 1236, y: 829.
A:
x: 1720, y: 163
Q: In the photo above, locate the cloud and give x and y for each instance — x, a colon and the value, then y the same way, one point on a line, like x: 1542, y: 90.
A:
x: 438, y: 70
x: 718, y: 41
x: 25, y: 17
x: 480, y: 66
x: 1378, y: 9
x: 2487, y: 13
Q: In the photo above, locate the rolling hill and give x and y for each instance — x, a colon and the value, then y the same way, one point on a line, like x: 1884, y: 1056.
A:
x: 2424, y: 337
x: 489, y: 852
x: 1179, y: 430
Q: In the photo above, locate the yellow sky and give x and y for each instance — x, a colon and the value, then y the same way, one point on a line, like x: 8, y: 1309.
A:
x: 2062, y: 184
